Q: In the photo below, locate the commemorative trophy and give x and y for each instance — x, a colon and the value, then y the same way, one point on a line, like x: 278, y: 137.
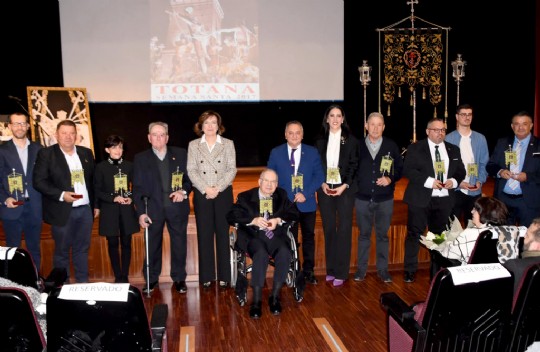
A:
x: 332, y: 178
x: 176, y: 181
x: 387, y: 163
x: 16, y: 190
x: 121, y: 187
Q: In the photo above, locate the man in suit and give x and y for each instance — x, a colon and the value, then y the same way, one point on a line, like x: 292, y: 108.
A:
x: 515, y: 165
x: 261, y: 235
x: 161, y: 197
x: 530, y: 254
x: 434, y: 170
x: 304, y: 164
x: 17, y: 159
x: 64, y: 174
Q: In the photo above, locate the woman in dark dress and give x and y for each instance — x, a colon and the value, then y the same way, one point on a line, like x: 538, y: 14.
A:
x: 117, y: 217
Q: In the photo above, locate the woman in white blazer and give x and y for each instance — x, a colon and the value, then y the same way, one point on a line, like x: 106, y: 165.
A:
x: 211, y: 168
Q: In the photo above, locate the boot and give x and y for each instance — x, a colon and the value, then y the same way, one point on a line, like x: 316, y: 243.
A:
x: 273, y: 301
x: 255, y: 311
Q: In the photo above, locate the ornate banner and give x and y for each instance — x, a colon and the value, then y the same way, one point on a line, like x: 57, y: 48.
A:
x: 413, y: 58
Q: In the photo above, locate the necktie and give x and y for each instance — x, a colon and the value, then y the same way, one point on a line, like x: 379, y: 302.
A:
x: 514, y: 168
x: 269, y: 233
x: 292, y: 160
x: 438, y: 159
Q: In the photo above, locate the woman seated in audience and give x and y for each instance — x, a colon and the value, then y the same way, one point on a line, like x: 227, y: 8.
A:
x: 488, y: 214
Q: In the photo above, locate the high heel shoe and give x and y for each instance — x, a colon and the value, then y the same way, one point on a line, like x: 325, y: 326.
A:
x: 207, y: 284
x: 223, y: 284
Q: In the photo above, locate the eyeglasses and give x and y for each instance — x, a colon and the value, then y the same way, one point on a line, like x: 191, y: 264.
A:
x: 438, y: 130
x: 274, y: 182
x: 462, y: 114
x: 20, y: 124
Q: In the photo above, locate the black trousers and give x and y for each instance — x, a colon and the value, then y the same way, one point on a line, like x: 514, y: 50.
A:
x: 212, y: 227
x: 176, y: 221
x: 307, y: 225
x: 435, y: 216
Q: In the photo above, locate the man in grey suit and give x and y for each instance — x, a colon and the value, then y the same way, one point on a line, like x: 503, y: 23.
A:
x: 434, y: 170
x: 20, y: 207
x: 64, y: 174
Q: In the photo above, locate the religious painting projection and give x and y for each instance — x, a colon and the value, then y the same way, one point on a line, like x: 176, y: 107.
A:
x: 50, y: 105
x: 208, y: 52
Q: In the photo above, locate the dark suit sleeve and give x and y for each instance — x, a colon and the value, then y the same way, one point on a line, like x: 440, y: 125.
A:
x: 41, y: 178
x: 496, y: 161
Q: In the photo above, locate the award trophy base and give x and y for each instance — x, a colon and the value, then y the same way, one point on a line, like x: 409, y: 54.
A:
x: 18, y: 202
x: 331, y: 191
x: 77, y: 196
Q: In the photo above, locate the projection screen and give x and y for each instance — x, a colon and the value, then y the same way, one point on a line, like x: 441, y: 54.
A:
x: 203, y: 50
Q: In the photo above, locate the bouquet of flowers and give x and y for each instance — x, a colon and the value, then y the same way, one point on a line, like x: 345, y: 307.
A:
x: 432, y: 240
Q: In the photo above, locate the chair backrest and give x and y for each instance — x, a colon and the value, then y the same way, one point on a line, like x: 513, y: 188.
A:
x: 19, y: 328
x: 466, y: 317
x: 21, y: 269
x: 115, y: 326
x: 485, y: 249
x: 525, y: 320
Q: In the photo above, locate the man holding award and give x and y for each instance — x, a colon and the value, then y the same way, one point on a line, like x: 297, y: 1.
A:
x: 475, y: 155
x: 161, y: 188
x: 300, y: 173
x: 64, y: 174
x: 20, y: 207
x: 260, y: 213
x: 379, y: 168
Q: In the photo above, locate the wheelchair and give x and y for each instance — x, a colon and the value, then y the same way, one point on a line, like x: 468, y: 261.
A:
x: 241, y: 266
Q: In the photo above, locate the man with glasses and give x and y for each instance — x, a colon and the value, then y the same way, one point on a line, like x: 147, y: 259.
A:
x: 434, y: 169
x: 20, y: 204
x: 475, y: 155
x: 261, y: 235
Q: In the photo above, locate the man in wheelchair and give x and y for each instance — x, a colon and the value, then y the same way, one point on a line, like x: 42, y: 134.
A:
x: 260, y: 215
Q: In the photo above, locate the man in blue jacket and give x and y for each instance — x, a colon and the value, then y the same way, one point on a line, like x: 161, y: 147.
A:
x: 300, y: 173
x: 20, y: 207
x: 475, y: 156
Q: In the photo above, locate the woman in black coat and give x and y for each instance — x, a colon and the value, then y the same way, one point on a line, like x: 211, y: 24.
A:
x: 117, y: 216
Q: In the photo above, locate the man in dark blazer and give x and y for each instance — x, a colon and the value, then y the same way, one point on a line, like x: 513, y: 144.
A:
x: 17, y: 159
x: 64, y: 174
x: 161, y: 199
x: 306, y: 162
x: 254, y: 237
x: 434, y: 169
x: 517, y: 185
x: 529, y: 256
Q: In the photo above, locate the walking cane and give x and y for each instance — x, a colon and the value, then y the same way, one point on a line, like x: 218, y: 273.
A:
x: 145, y: 199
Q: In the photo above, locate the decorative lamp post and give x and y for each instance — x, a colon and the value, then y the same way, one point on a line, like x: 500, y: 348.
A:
x: 365, y: 78
x: 458, y: 72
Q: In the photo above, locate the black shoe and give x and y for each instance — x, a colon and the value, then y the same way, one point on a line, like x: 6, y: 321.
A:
x: 274, y: 304
x: 255, y: 310
x: 180, y: 286
x: 207, y: 284
x: 152, y: 286
x: 310, y: 277
x: 408, y: 277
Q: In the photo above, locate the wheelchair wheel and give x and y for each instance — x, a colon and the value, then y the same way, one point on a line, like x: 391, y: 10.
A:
x: 233, y: 259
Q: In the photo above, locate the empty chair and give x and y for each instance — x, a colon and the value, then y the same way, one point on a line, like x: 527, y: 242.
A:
x: 78, y: 325
x: 465, y: 317
x: 525, y: 319
x: 21, y: 268
x: 19, y: 327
